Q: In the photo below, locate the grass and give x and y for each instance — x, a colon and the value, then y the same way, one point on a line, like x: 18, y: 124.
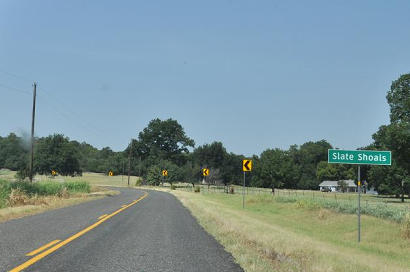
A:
x: 19, y: 199
x: 382, y: 207
x: 44, y: 203
x: 271, y: 235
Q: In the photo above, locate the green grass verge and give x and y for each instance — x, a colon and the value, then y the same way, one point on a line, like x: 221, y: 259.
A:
x: 44, y: 188
x: 270, y: 235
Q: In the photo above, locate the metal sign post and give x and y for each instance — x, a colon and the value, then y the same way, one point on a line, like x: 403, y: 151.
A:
x: 358, y: 204
x: 367, y: 157
x: 243, y: 190
x: 246, y: 167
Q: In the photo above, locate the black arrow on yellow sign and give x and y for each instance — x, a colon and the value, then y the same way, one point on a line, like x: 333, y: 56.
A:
x: 205, y: 172
x: 247, y: 165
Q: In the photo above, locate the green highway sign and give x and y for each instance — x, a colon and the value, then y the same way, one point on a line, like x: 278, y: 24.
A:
x: 359, y: 157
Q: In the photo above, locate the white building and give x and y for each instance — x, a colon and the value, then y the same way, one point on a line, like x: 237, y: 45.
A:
x: 334, y: 187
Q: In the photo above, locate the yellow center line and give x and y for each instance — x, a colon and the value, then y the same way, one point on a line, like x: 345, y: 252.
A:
x: 75, y: 236
x: 102, y: 216
x: 38, y: 250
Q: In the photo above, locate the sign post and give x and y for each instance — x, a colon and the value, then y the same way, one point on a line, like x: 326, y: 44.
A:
x: 367, y: 157
x: 358, y: 203
x: 246, y: 167
x: 205, y: 173
x: 164, y: 174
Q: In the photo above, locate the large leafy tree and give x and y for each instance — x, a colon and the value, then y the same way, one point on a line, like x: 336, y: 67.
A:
x: 395, y: 137
x: 164, y: 140
x: 329, y: 171
x: 57, y: 153
x: 13, y: 152
x: 307, y: 157
x: 274, y: 168
x: 210, y: 155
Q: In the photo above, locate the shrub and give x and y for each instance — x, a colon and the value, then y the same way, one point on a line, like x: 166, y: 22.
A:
x: 138, y: 182
x: 197, y: 189
x: 17, y: 198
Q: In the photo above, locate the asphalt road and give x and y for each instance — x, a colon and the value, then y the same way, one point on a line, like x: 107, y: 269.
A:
x: 153, y: 233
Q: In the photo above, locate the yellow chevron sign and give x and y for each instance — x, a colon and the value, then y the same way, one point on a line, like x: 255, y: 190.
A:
x: 247, y: 165
x: 205, y: 172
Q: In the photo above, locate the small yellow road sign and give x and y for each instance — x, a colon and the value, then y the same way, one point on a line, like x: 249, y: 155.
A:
x: 53, y: 173
x: 111, y: 173
x: 358, y: 183
x: 247, y: 165
x: 165, y: 173
x: 205, y: 172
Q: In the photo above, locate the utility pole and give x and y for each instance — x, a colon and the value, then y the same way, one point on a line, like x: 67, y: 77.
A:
x: 33, y: 114
x: 129, y: 163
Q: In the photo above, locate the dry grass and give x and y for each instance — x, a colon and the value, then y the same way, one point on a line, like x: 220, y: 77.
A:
x: 262, y: 238
x: 405, y: 228
x: 21, y: 205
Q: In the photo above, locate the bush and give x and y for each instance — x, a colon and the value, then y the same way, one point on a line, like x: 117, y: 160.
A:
x: 197, y: 189
x: 138, y: 182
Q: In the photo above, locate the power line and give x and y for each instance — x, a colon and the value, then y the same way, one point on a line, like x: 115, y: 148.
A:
x: 15, y: 75
x: 64, y: 106
x: 14, y: 89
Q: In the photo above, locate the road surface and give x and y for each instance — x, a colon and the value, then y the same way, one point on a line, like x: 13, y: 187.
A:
x: 133, y: 231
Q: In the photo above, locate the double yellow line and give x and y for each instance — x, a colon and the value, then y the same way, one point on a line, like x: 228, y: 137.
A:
x: 68, y: 240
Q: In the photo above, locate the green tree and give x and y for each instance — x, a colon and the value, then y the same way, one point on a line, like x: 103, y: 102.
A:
x: 154, y: 176
x: 307, y: 157
x: 395, y: 137
x: 399, y: 100
x: 343, y: 185
x: 57, y: 153
x: 329, y: 171
x: 163, y: 140
x: 210, y: 155
x: 274, y: 168
x: 13, y: 152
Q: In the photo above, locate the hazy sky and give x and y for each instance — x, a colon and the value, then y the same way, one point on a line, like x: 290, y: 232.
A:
x: 252, y: 74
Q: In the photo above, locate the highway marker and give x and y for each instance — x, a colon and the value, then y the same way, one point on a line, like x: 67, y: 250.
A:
x: 75, y: 236
x: 38, y: 250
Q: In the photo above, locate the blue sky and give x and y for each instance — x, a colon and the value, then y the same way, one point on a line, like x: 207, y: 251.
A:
x: 252, y: 74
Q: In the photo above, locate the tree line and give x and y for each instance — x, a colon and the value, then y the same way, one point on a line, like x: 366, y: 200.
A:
x: 163, y: 144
